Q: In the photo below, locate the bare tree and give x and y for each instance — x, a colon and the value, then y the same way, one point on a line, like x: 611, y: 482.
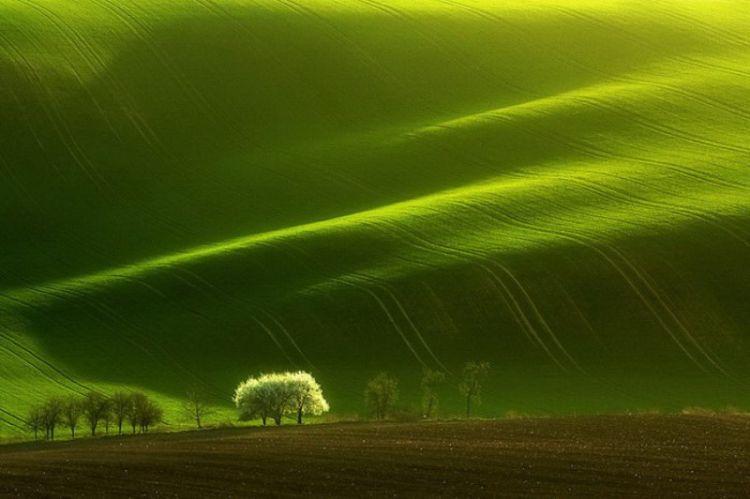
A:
x: 195, y: 406
x: 471, y: 382
x: 154, y: 415
x: 381, y: 394
x: 108, y: 416
x: 143, y: 412
x: 132, y: 414
x: 148, y: 412
x: 122, y: 405
x: 52, y: 413
x: 35, y: 420
x: 95, y: 407
x: 431, y: 380
x: 71, y: 414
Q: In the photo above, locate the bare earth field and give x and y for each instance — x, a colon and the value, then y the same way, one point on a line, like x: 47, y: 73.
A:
x: 582, y: 456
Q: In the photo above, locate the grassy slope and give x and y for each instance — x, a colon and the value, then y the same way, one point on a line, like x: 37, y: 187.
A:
x: 194, y: 191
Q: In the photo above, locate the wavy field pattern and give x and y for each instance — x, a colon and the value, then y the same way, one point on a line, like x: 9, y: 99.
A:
x: 195, y: 190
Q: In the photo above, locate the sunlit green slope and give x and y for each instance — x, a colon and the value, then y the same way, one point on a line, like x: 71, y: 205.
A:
x: 194, y: 191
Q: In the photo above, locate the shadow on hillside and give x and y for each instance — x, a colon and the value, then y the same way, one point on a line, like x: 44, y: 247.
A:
x: 213, y: 127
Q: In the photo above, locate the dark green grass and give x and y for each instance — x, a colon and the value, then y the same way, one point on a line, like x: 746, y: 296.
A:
x: 198, y: 191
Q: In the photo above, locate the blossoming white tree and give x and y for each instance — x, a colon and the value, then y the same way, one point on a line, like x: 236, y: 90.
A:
x: 254, y: 399
x: 277, y: 394
x: 307, y: 395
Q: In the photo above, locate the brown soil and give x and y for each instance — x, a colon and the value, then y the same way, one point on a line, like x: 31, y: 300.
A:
x: 599, y: 455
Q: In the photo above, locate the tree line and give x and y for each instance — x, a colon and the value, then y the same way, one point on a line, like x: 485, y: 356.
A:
x: 267, y: 396
x: 94, y: 410
x: 276, y: 395
x: 381, y: 392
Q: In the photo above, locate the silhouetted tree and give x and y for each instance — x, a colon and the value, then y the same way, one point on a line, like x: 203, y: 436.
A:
x: 108, y: 416
x: 381, y: 394
x: 195, y: 406
x: 52, y: 413
x: 35, y: 420
x: 148, y: 412
x: 71, y: 414
x: 471, y: 382
x: 95, y: 407
x: 122, y: 405
x: 431, y: 380
x: 137, y: 401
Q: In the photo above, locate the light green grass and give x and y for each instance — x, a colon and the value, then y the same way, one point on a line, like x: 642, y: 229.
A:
x: 195, y: 191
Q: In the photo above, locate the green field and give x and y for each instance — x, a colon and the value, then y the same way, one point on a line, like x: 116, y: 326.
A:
x: 193, y: 191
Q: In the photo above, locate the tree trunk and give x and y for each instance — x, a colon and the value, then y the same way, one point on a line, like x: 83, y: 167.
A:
x: 299, y: 415
x: 119, y: 427
x: 263, y: 418
x: 277, y: 420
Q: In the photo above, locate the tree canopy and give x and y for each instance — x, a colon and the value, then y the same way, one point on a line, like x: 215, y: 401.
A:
x: 275, y: 395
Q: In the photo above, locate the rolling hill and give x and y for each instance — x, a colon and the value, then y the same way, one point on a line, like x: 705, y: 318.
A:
x: 195, y: 191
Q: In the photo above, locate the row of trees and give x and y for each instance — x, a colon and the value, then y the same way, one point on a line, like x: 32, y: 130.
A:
x: 381, y: 392
x: 273, y: 396
x: 95, y: 410
x: 277, y: 395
